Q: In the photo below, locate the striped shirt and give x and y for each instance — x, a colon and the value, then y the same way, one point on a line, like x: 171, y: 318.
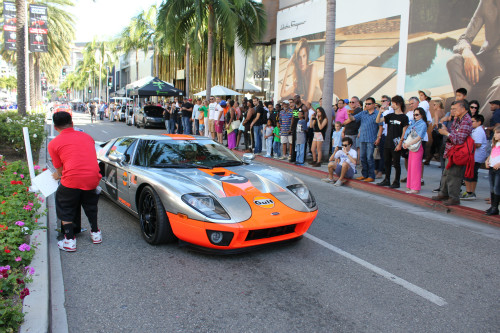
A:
x: 369, y: 128
x: 286, y: 121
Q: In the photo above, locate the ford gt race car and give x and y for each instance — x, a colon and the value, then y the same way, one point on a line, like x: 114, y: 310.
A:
x: 193, y: 189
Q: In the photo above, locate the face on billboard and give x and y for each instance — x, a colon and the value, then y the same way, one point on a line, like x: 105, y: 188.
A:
x: 302, y: 59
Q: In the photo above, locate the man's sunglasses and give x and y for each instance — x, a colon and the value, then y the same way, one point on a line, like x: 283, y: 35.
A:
x: 368, y: 103
x: 345, y: 145
x: 352, y: 102
x: 385, y: 100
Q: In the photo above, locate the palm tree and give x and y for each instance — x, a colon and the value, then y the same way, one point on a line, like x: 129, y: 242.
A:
x: 243, y: 20
x: 104, y: 57
x: 146, y: 26
x: 130, y: 40
x: 21, y: 56
x: 329, y: 72
x: 60, y: 36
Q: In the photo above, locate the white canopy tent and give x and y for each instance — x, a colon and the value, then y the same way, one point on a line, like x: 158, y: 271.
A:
x: 121, y: 98
x: 219, y: 91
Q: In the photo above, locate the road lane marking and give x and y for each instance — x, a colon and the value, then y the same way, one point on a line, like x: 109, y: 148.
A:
x: 391, y: 277
x: 104, y: 131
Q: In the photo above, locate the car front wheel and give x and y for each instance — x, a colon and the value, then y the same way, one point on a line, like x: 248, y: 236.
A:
x: 154, y: 222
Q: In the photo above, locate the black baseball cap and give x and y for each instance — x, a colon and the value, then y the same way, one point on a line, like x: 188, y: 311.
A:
x: 496, y: 101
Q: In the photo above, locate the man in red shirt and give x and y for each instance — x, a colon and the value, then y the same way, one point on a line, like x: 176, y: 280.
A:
x: 74, y: 157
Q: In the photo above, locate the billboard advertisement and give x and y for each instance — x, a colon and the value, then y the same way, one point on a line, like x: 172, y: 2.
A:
x: 9, y: 25
x: 398, y: 47
x: 455, y: 44
x: 367, y: 49
x: 37, y: 28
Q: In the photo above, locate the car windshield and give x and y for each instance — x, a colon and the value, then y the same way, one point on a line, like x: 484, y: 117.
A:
x: 153, y: 111
x: 184, y: 154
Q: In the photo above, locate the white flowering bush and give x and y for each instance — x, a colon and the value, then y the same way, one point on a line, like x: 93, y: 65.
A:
x: 11, y: 131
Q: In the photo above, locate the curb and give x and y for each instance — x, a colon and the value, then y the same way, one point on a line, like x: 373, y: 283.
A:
x: 461, y: 211
x: 44, y: 308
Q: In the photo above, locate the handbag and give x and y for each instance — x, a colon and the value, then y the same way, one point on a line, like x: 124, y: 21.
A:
x: 235, y: 124
x: 416, y: 146
x: 376, y: 153
x: 241, y: 127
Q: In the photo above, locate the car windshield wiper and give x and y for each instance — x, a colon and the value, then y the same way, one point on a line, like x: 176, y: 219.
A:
x: 227, y: 163
x: 180, y: 165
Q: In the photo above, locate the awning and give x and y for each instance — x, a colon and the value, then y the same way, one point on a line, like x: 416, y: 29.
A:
x: 219, y: 91
x: 152, y: 86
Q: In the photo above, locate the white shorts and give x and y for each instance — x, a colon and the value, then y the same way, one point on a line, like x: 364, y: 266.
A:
x: 286, y: 139
x: 318, y: 136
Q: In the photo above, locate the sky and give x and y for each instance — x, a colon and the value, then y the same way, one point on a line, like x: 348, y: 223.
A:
x: 105, y: 18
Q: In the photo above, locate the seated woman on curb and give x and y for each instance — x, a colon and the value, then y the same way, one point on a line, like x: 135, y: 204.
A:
x: 343, y: 162
x: 419, y: 124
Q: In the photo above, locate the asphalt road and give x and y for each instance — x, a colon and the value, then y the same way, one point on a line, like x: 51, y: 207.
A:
x: 367, y: 264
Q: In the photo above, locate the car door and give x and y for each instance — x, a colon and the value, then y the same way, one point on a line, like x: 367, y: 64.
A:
x: 117, y: 170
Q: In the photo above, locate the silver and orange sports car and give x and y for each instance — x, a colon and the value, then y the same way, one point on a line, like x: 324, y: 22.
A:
x: 195, y: 190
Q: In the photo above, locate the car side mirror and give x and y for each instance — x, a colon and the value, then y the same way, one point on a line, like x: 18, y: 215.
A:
x: 117, y: 158
x: 248, y: 157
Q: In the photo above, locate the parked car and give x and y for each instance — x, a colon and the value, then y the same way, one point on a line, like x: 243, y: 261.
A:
x: 194, y: 189
x: 150, y: 116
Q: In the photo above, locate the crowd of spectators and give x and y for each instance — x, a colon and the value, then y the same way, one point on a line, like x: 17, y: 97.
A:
x: 376, y: 135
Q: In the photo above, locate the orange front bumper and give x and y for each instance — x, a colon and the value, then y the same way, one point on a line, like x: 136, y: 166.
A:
x: 260, y: 229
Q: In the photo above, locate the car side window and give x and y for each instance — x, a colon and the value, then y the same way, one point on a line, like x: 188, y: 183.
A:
x: 152, y: 152
x: 123, y: 147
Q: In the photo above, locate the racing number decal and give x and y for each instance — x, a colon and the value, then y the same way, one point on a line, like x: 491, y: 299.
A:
x: 232, y: 179
x: 263, y: 202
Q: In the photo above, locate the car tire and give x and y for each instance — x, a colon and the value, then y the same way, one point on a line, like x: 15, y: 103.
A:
x: 155, y: 227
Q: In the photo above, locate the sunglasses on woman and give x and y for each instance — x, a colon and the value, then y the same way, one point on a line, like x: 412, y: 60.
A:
x: 416, y: 114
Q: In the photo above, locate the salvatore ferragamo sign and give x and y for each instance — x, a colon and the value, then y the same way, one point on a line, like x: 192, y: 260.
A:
x: 292, y: 24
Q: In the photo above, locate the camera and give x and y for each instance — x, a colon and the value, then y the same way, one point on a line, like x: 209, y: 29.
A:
x: 440, y: 126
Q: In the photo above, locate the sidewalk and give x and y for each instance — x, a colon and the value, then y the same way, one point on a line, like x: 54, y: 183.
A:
x: 473, y: 209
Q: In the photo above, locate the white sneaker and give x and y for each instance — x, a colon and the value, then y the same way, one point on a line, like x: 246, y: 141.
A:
x: 338, y: 183
x: 327, y: 180
x: 96, y: 237
x: 68, y: 245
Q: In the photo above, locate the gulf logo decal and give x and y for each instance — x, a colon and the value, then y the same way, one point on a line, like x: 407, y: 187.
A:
x: 263, y: 202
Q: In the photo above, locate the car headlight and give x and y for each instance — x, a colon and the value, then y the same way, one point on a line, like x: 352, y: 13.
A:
x: 304, y: 194
x: 207, y: 205
x: 150, y: 118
